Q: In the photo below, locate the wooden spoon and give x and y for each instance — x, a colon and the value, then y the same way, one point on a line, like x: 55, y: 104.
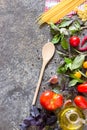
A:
x: 47, y: 53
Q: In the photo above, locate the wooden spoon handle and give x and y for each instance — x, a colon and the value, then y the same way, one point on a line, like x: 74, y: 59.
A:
x: 39, y: 82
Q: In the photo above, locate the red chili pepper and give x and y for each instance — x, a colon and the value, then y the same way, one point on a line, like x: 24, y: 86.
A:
x: 82, y: 87
x: 83, y: 49
x: 83, y: 42
x: 81, y: 102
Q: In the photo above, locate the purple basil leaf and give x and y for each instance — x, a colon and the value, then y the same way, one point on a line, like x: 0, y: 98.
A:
x: 34, y: 111
x: 31, y: 121
x: 38, y: 117
x: 39, y: 122
x: 43, y: 115
x: 28, y: 121
x: 23, y: 126
x: 51, y: 120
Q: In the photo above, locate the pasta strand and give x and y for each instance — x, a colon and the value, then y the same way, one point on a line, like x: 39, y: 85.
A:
x: 65, y: 11
x: 50, y: 13
x: 59, y: 11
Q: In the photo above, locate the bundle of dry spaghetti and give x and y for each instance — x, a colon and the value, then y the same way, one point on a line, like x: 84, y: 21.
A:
x: 59, y: 11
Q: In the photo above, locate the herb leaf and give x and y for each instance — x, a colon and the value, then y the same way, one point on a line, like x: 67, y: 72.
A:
x: 62, y: 69
x: 56, y: 89
x: 38, y: 118
x: 72, y: 29
x: 56, y: 39
x: 54, y: 27
x: 73, y: 82
x: 77, y: 63
x: 64, y: 43
x: 64, y: 31
x: 75, y: 27
x: 67, y: 60
x: 65, y: 23
x: 77, y: 24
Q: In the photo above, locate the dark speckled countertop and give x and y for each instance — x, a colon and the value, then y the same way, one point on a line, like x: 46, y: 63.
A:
x: 21, y: 41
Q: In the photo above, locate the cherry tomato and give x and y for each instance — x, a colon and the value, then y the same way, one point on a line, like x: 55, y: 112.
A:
x: 81, y: 102
x: 77, y: 74
x: 82, y: 87
x: 50, y: 100
x: 74, y: 41
x: 85, y: 64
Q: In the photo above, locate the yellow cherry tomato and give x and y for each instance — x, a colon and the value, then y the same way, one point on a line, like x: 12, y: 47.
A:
x: 85, y: 64
x: 77, y: 74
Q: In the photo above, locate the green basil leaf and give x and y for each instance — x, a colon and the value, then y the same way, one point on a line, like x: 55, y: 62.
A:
x: 54, y: 32
x: 73, y: 82
x: 64, y: 43
x: 56, y: 39
x: 65, y: 23
x: 67, y: 60
x: 62, y: 69
x: 56, y: 89
x: 54, y: 27
x: 69, y: 66
x: 66, y: 18
x: 64, y: 31
x: 78, y: 61
x: 73, y: 29
x: 77, y: 24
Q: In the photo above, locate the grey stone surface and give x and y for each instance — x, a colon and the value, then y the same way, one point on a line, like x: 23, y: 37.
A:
x: 21, y: 41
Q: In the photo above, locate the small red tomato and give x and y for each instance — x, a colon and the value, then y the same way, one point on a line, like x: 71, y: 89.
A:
x: 82, y: 87
x: 81, y: 102
x: 50, y: 100
x: 74, y: 41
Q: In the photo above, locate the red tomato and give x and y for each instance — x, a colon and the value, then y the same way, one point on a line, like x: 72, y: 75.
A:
x: 74, y: 41
x: 50, y: 100
x: 81, y: 102
x: 82, y: 87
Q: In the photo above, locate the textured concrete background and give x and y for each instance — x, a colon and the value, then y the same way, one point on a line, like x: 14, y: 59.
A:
x: 21, y: 41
